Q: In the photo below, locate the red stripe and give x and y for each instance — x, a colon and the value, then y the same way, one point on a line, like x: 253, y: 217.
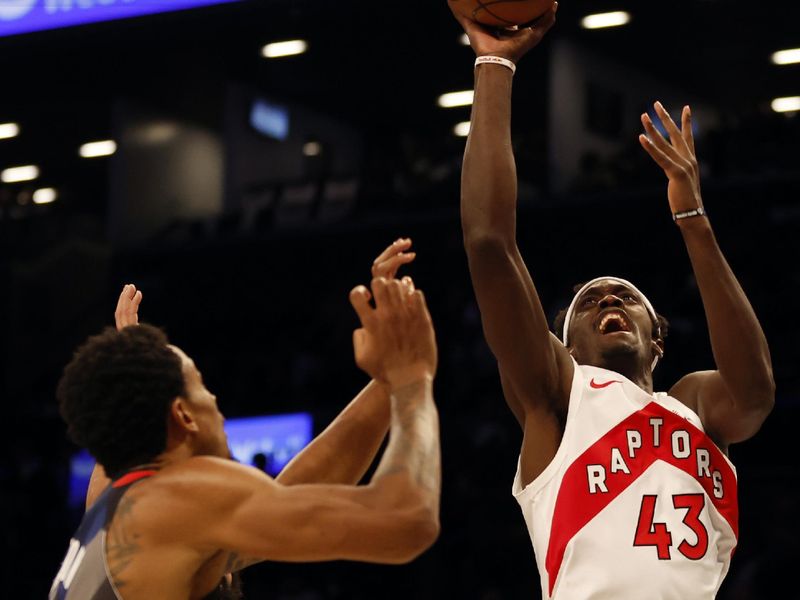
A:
x: 131, y: 477
x: 575, y: 506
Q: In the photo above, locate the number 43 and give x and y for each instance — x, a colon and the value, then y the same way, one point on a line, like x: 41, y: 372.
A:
x: 649, y: 533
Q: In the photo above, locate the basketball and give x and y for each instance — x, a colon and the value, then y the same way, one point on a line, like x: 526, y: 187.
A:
x: 502, y: 13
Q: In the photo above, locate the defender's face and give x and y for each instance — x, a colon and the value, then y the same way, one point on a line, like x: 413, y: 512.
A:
x: 609, y: 322
x: 211, y: 437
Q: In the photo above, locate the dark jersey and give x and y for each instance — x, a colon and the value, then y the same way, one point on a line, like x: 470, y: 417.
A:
x: 84, y: 573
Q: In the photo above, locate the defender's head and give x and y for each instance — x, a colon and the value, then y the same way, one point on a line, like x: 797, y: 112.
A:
x: 128, y: 396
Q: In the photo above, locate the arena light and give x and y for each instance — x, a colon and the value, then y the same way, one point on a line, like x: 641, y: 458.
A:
x: 287, y: 48
x: 16, y: 174
x: 8, y: 130
x: 462, y: 129
x: 452, y: 99
x: 45, y: 196
x: 609, y: 19
x: 786, y: 57
x: 97, y: 149
x: 786, y: 104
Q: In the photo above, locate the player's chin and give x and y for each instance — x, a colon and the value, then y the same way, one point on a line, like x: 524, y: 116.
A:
x: 622, y: 342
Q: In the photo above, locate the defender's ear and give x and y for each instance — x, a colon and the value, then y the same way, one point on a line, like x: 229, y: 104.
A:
x: 182, y: 415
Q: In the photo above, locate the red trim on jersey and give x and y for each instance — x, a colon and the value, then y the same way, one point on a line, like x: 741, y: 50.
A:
x: 131, y: 477
x: 575, y: 506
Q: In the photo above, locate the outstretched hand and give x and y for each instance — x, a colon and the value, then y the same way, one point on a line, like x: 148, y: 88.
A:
x: 512, y: 44
x: 391, y: 259
x: 127, y: 312
x: 395, y: 343
x: 677, y: 157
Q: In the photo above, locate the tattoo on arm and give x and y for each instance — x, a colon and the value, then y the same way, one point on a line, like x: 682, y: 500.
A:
x: 414, y: 442
x: 122, y: 541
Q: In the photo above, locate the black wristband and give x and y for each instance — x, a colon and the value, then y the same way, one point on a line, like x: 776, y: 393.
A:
x: 695, y: 212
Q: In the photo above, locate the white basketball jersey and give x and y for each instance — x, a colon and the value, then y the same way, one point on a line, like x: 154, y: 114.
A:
x: 638, y: 502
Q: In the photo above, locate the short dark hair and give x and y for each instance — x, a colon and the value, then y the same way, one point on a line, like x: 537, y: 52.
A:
x: 659, y: 332
x: 116, y: 392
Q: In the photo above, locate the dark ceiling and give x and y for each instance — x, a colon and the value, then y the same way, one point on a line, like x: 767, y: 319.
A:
x: 377, y: 65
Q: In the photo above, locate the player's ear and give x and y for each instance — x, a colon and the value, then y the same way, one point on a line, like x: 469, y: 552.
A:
x: 181, y: 416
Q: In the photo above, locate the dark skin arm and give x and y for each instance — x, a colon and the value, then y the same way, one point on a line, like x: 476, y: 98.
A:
x: 535, y: 368
x: 360, y: 428
x: 734, y: 400
x: 343, y: 452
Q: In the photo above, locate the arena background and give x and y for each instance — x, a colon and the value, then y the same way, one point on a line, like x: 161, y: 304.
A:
x: 245, y: 246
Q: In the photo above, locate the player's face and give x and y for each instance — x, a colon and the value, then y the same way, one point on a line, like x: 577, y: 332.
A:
x: 610, y: 323
x: 211, y: 438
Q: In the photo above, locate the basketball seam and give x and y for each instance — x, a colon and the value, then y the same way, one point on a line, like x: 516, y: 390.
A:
x: 485, y: 6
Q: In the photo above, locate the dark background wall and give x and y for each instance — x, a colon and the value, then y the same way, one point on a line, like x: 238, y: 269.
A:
x: 252, y: 279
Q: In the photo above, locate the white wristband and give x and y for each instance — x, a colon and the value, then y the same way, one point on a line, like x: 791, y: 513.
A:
x: 497, y: 60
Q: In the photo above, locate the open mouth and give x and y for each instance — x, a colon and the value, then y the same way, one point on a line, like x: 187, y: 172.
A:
x: 613, y: 322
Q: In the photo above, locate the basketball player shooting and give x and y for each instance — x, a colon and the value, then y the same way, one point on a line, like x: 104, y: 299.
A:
x: 626, y: 492
x: 179, y: 515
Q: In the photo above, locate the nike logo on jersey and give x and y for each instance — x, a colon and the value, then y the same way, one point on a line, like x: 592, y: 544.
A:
x: 600, y: 386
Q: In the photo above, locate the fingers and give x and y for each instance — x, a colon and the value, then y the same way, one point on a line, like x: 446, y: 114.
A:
x: 408, y: 284
x: 539, y: 26
x: 134, y: 307
x: 674, y: 133
x: 419, y: 307
x: 389, y: 267
x: 399, y: 245
x: 392, y: 297
x: 127, y: 311
x: 536, y: 29
x: 123, y: 297
x: 655, y: 136
x: 657, y: 155
x: 686, y: 128
x: 359, y: 299
x: 547, y: 20
x: 379, y: 292
x: 391, y: 259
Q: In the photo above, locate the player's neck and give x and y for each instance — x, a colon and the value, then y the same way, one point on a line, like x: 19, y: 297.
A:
x: 636, y: 371
x: 173, y: 454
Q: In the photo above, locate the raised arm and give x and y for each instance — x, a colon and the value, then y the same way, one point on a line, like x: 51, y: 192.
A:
x: 734, y: 400
x: 344, y: 451
x: 393, y: 518
x: 535, y: 366
x: 126, y: 313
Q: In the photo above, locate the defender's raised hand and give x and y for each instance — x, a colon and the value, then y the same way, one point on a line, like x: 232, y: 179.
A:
x: 127, y: 312
x: 396, y: 343
x: 391, y: 259
x: 506, y: 43
x: 676, y: 157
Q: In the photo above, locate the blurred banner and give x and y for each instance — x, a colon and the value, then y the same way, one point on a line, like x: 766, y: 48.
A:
x: 24, y: 16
